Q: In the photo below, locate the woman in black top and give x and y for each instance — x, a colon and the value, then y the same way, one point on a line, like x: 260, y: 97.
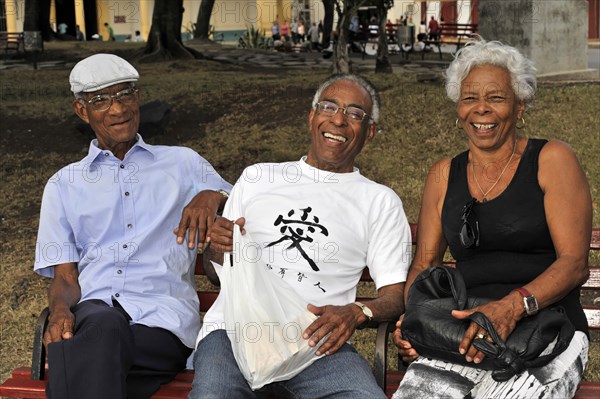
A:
x: 530, y: 227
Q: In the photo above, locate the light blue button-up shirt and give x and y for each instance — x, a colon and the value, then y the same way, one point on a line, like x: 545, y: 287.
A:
x: 115, y: 219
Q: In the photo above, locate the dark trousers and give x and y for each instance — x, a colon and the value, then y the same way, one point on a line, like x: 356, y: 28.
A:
x: 108, y: 358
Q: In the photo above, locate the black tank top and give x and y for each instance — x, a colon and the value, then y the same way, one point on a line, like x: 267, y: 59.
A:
x: 514, y: 242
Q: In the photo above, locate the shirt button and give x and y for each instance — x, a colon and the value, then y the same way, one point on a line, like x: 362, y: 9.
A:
x: 117, y: 295
x: 119, y: 271
x: 125, y: 246
x: 106, y: 154
x: 122, y: 166
x: 127, y: 193
x: 129, y: 226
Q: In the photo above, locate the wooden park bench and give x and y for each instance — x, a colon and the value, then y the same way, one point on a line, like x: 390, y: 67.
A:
x: 30, y: 382
x: 12, y: 42
x: 457, y: 34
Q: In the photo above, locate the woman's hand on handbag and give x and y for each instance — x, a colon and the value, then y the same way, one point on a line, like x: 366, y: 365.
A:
x: 503, y: 315
x: 405, y: 349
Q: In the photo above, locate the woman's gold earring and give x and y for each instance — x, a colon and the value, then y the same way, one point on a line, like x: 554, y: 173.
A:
x: 523, y: 123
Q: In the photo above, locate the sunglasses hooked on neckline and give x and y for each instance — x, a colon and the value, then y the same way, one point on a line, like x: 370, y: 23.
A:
x: 469, y: 230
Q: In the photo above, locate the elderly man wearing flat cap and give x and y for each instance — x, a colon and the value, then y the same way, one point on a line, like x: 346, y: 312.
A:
x: 123, y: 305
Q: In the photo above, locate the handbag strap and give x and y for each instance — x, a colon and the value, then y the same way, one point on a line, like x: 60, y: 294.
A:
x: 497, y: 349
x: 515, y: 365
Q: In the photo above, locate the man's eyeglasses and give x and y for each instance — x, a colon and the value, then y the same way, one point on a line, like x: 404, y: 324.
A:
x: 330, y: 109
x: 469, y: 231
x: 102, y: 102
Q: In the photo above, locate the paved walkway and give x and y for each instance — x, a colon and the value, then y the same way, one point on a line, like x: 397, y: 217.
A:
x: 267, y: 59
x: 429, y: 69
x: 313, y: 59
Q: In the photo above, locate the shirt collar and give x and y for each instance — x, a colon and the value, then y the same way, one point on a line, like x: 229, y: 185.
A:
x: 303, y: 162
x: 95, y: 153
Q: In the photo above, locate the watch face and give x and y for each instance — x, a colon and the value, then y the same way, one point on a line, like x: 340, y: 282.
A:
x: 531, y: 305
x: 367, y: 312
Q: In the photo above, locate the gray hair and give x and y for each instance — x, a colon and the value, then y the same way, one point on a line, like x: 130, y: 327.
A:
x: 364, y: 83
x: 479, y: 52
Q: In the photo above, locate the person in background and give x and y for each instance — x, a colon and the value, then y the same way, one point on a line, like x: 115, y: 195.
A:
x: 111, y: 33
x: 284, y: 30
x: 294, y: 30
x: 137, y: 37
x: 422, y: 35
x: 516, y: 214
x: 313, y: 36
x: 79, y: 34
x: 275, y: 30
x: 434, y: 29
x: 62, y: 28
x: 301, y: 31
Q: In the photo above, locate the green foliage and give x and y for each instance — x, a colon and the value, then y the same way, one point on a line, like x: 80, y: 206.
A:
x: 255, y: 38
x: 190, y: 27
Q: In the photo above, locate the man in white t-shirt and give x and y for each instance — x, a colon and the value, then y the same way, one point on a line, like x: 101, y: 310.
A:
x: 320, y: 222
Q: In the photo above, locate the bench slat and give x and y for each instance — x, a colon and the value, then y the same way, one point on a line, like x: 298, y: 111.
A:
x: 19, y: 387
x: 593, y: 317
x: 595, y: 243
x: 593, y: 282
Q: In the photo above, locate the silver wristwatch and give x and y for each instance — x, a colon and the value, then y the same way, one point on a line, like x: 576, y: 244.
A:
x: 529, y: 301
x: 367, y: 312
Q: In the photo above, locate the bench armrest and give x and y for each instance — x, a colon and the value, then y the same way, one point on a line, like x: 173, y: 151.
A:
x: 381, y: 350
x: 38, y: 360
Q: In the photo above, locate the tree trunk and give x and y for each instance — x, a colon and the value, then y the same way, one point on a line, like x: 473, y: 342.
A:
x: 164, y: 40
x: 37, y: 18
x: 327, y: 21
x: 382, y: 63
x: 203, y: 21
x: 341, y: 60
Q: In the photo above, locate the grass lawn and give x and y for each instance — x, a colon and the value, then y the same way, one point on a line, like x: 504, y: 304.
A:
x: 234, y: 117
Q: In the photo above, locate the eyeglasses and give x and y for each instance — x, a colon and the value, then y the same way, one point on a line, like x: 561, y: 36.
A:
x: 103, y: 102
x: 469, y: 233
x: 328, y: 108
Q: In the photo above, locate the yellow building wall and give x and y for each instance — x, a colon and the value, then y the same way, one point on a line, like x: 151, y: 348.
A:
x: 15, y: 13
x: 234, y: 14
x: 190, y: 15
x: 268, y: 12
x: 146, y: 9
x: 125, y: 17
x: 52, y: 14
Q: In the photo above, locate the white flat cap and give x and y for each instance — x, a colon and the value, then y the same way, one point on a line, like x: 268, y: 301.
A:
x: 99, y: 71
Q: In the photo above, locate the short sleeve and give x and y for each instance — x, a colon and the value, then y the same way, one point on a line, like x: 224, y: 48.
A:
x: 56, y: 241
x: 390, y: 244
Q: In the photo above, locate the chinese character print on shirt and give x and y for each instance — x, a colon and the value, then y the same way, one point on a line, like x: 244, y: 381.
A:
x: 299, y: 229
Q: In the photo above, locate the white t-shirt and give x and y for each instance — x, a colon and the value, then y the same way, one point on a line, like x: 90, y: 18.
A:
x: 317, y: 230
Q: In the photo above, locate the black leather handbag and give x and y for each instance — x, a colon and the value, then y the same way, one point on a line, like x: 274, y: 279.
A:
x: 430, y: 328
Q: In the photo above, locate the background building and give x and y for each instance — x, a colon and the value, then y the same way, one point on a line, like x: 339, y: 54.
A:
x: 230, y: 18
